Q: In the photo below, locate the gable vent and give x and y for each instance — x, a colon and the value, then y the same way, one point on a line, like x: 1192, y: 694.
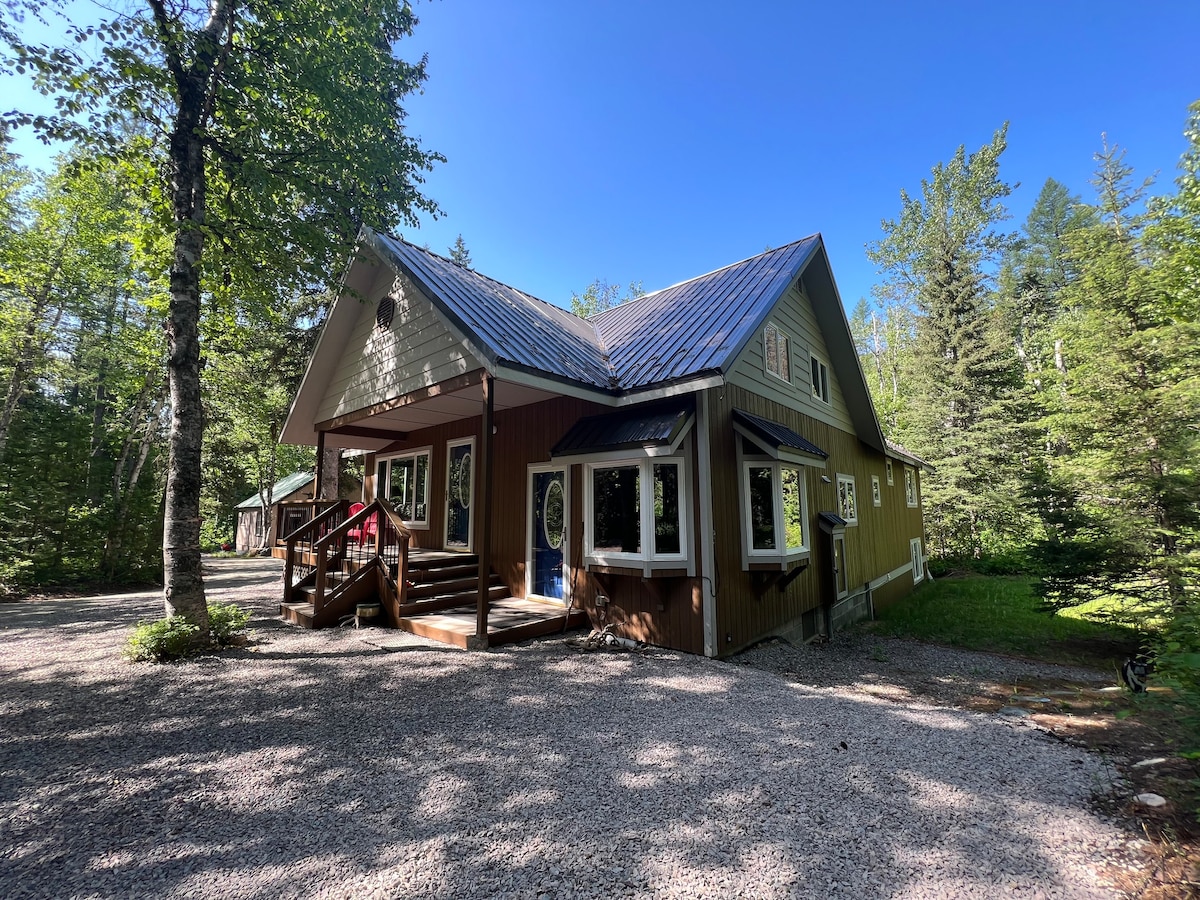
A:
x: 384, y: 313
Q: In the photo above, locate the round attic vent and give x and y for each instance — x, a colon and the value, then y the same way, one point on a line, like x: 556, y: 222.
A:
x: 384, y: 313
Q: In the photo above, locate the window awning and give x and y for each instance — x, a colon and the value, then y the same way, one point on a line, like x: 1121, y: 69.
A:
x: 653, y: 431
x: 778, y: 441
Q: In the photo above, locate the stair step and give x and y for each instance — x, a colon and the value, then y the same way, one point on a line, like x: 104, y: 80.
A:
x: 450, y: 586
x: 458, y: 598
x: 449, y: 560
x: 443, y: 573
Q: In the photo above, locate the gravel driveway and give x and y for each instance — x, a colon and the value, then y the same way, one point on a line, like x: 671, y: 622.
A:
x: 358, y: 764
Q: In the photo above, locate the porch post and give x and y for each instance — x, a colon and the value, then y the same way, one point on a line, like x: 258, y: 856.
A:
x: 320, y: 466
x: 483, y: 510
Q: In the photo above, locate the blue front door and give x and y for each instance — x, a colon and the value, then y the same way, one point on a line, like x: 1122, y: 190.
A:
x: 548, y: 532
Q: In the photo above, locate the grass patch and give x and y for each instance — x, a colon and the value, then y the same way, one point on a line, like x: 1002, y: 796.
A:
x: 1001, y: 615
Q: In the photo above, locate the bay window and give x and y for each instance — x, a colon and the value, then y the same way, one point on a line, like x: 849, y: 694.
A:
x: 775, y: 509
x: 636, y: 512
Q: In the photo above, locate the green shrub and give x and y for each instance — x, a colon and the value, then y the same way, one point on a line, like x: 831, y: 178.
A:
x: 167, y: 639
x: 176, y: 638
x: 225, y: 621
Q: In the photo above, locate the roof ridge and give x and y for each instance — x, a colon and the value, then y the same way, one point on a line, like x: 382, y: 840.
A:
x: 631, y: 302
x: 487, y: 277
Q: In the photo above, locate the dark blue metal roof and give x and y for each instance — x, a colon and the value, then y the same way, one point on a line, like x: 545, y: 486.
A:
x: 690, y: 329
x: 700, y: 325
x: 508, y: 325
x: 777, y: 435
x: 643, y: 426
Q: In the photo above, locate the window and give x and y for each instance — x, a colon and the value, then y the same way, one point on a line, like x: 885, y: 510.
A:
x: 636, y: 511
x: 404, y: 480
x: 910, y: 486
x: 820, y: 380
x: 847, y: 499
x: 876, y: 494
x: 918, y: 560
x: 776, y: 509
x: 775, y: 352
x: 889, y: 473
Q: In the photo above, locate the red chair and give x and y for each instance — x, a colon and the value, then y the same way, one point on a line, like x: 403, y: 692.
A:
x: 355, y: 535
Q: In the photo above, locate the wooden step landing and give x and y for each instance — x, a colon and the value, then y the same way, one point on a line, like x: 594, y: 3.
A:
x: 510, y: 619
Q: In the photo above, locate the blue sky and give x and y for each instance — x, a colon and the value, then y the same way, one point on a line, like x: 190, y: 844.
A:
x: 653, y: 141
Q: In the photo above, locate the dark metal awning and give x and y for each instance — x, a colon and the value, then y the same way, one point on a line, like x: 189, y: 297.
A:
x: 778, y: 441
x: 654, y: 430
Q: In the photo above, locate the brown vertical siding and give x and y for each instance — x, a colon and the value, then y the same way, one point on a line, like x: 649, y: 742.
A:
x: 524, y: 436
x: 875, y: 546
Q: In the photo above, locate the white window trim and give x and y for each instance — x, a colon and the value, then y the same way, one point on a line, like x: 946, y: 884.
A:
x: 827, y: 399
x: 913, y: 498
x: 890, y: 478
x: 918, y: 560
x: 847, y: 479
x: 532, y: 470
x: 648, y: 559
x: 780, y: 336
x: 876, y: 491
x: 427, y: 451
x: 469, y: 548
x: 781, y: 553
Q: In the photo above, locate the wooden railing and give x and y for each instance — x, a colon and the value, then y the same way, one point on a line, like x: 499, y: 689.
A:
x: 294, y: 515
x: 331, y: 552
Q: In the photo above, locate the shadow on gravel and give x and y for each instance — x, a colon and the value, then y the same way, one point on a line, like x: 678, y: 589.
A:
x: 327, y: 764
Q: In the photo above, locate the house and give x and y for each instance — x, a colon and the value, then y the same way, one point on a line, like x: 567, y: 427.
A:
x: 699, y: 468
x: 255, y: 531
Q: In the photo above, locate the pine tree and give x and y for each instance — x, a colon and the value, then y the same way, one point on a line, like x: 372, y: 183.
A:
x: 961, y: 377
x: 1126, y: 486
x: 459, y: 254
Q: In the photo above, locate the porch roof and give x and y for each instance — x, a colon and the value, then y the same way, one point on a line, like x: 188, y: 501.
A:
x: 282, y: 489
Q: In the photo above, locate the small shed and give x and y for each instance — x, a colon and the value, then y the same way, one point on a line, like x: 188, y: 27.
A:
x: 252, y: 531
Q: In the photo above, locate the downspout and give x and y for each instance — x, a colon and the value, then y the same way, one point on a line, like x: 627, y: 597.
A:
x: 707, y: 542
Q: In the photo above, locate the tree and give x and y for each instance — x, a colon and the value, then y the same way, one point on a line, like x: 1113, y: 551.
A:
x: 281, y: 133
x: 937, y: 256
x: 1125, y: 488
x: 600, y: 295
x: 459, y: 254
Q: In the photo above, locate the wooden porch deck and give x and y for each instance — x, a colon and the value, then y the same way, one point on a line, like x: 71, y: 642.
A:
x: 510, y: 619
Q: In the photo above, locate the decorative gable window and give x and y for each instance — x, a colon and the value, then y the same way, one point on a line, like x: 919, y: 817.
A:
x: 820, y: 379
x: 776, y: 354
x: 636, y: 512
x: 847, y: 499
x: 876, y: 494
x: 404, y: 480
x: 910, y: 486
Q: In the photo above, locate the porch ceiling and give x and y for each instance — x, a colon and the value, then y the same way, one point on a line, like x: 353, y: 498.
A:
x: 366, y: 431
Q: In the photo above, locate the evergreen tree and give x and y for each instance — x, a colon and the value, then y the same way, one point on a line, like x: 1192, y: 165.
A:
x: 459, y: 254
x: 962, y: 375
x: 1125, y: 487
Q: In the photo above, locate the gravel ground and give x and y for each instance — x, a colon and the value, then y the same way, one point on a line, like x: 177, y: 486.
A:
x: 360, y: 764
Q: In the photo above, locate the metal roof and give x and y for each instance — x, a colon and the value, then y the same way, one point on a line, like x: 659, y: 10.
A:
x: 282, y: 488
x: 778, y: 435
x: 698, y: 325
x: 511, y: 326
x: 695, y: 327
x: 643, y: 426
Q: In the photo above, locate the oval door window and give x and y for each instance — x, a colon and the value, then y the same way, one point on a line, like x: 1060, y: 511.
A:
x: 463, y: 484
x: 552, y: 515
